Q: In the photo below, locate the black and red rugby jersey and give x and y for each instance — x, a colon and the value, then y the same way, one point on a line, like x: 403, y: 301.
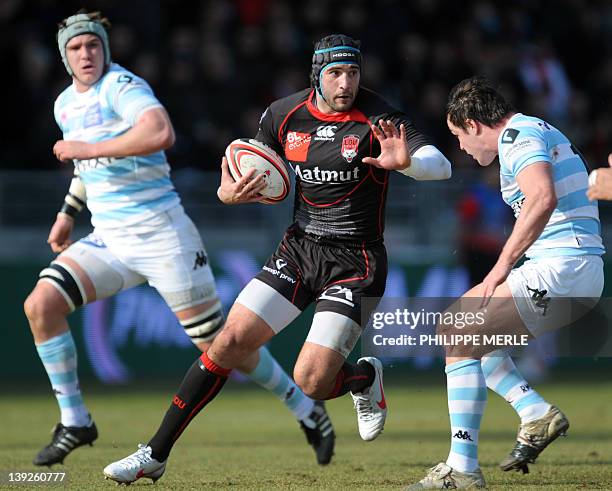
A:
x: 336, y: 195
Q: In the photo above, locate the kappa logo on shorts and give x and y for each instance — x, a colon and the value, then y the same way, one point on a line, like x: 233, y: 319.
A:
x: 296, y: 146
x: 200, y: 260
x: 337, y: 293
x: 350, y: 146
x: 539, y: 298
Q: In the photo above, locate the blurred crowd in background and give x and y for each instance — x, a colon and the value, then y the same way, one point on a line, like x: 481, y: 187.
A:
x: 216, y: 64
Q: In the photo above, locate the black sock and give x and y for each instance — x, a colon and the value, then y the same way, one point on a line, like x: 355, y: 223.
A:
x: 355, y: 378
x: 201, y: 384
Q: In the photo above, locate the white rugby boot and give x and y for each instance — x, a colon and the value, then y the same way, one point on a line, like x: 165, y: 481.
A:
x: 443, y: 476
x: 370, y: 404
x: 133, y: 467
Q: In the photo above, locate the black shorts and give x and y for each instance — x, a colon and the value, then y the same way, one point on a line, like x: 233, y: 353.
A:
x: 305, y: 268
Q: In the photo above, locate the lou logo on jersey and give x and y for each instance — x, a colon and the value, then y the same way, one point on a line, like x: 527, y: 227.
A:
x: 350, y: 146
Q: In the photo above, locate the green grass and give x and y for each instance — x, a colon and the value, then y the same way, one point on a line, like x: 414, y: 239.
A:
x: 246, y: 440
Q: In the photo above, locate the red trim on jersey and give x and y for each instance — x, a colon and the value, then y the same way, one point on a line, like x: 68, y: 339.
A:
x: 356, y: 278
x: 352, y: 115
x: 211, y: 366
x: 280, y: 129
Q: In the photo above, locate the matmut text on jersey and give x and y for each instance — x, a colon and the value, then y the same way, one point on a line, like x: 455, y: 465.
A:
x: 337, y: 195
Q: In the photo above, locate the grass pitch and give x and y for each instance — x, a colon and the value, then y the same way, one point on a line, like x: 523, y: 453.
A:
x: 247, y: 440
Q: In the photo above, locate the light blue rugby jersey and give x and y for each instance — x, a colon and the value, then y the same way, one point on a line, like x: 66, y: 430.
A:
x: 120, y: 191
x: 574, y: 228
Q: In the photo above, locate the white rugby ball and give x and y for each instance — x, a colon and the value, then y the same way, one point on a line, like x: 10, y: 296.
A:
x: 244, y: 153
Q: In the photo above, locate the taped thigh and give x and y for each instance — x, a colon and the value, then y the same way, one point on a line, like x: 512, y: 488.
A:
x: 67, y: 282
x: 271, y: 306
x: 190, y: 297
x: 105, y: 271
x: 204, y: 327
x: 334, y: 331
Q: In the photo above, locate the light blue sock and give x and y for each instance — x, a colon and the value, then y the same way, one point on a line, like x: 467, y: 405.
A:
x: 503, y: 377
x: 59, y: 358
x: 269, y: 375
x: 467, y: 397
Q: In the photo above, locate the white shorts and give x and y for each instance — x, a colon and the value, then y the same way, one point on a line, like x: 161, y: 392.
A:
x: 171, y: 258
x: 550, y: 293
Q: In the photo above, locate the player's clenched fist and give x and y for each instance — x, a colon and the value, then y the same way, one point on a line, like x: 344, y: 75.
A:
x: 600, y: 183
x: 59, y: 236
x: 68, y: 150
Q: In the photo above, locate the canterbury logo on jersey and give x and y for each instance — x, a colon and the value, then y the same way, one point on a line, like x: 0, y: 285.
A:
x: 326, y: 133
x: 319, y: 176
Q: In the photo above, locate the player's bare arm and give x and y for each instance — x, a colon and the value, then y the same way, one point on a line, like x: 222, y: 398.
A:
x: 245, y: 190
x: 152, y: 132
x: 537, y: 186
x: 394, y: 151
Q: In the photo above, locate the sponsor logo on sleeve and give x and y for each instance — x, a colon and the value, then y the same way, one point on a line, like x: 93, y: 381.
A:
x: 124, y: 79
x: 509, y: 135
x: 522, y: 147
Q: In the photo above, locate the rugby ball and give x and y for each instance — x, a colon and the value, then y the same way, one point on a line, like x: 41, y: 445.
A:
x: 244, y: 153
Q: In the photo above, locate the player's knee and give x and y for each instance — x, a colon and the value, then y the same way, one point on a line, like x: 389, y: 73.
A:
x: 312, y: 383
x: 40, y: 308
x: 230, y: 344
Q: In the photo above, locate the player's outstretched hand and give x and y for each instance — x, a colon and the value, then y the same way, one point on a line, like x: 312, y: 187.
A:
x: 66, y: 150
x: 394, y: 151
x: 59, y: 236
x: 600, y: 183
x: 246, y: 190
